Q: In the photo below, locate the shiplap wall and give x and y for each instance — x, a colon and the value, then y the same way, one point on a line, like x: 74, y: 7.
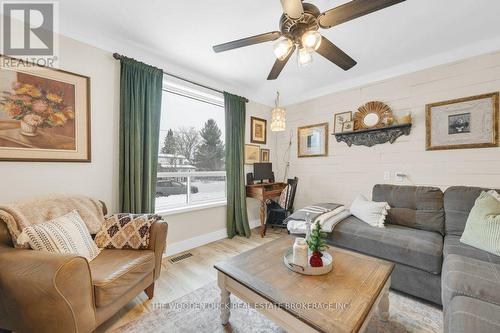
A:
x: 347, y: 171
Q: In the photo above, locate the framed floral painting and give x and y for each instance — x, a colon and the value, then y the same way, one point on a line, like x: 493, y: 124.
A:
x: 44, y: 113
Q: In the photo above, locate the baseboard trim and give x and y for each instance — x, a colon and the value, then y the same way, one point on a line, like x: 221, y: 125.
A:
x: 197, y: 241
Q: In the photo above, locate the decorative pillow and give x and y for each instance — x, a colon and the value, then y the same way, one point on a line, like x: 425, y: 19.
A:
x: 482, y: 229
x: 126, y: 231
x: 66, y: 234
x: 494, y: 194
x: 287, y: 191
x: 371, y: 212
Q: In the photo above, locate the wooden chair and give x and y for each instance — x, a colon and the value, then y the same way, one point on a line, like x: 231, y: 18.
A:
x: 276, y: 214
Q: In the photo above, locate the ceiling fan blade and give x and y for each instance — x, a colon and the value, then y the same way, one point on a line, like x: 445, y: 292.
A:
x: 262, y: 38
x: 331, y: 52
x: 351, y: 10
x: 293, y: 8
x: 279, y: 65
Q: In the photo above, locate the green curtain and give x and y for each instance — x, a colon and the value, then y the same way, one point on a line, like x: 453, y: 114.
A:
x: 237, y: 218
x: 140, y: 111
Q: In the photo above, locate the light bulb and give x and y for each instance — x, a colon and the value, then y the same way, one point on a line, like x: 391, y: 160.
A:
x: 282, y: 48
x: 304, y: 56
x: 311, y: 40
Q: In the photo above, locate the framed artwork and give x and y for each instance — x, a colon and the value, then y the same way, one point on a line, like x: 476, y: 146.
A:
x: 312, y: 140
x: 44, y: 113
x: 258, y: 130
x: 470, y: 122
x: 252, y: 154
x: 339, y: 119
x: 264, y: 155
x: 348, y: 126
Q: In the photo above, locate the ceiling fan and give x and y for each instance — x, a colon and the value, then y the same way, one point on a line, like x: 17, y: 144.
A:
x: 299, y: 27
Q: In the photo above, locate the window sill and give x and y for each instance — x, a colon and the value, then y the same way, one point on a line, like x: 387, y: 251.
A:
x: 192, y: 208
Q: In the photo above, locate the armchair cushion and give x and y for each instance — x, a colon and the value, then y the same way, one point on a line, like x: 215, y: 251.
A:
x: 114, y: 272
x: 126, y: 231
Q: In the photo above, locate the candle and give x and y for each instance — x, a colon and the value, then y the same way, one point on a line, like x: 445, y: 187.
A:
x: 300, y: 252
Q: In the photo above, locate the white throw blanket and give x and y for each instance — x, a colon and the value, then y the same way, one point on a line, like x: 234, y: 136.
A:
x: 328, y: 221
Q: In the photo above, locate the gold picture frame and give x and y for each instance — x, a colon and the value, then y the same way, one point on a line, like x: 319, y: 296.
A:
x: 459, y: 123
x: 44, y: 113
x: 265, y: 155
x: 312, y: 140
x: 252, y: 154
x: 258, y: 130
x: 339, y: 119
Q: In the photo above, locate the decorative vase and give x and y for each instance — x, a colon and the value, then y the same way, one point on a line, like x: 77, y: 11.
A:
x: 315, y: 260
x: 27, y: 129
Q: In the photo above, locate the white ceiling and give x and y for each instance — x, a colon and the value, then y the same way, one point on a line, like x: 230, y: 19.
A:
x: 402, y: 38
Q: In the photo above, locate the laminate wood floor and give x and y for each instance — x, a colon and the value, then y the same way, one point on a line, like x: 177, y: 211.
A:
x: 179, y: 279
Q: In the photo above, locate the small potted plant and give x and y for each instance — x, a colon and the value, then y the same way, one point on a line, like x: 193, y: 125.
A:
x: 316, y: 244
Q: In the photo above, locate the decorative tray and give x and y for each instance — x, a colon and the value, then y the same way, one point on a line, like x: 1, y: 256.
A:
x: 327, y: 264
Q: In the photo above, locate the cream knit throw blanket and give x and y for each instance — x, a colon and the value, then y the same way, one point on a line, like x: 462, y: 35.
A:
x: 18, y: 215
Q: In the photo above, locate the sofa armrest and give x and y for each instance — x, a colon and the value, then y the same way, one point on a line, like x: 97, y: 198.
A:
x: 157, y: 243
x: 45, y: 292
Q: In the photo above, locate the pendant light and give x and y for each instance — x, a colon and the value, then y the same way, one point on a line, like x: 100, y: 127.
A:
x: 278, y: 120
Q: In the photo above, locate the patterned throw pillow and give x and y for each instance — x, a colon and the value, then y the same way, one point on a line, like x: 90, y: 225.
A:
x: 126, y: 231
x: 66, y: 234
x: 287, y: 191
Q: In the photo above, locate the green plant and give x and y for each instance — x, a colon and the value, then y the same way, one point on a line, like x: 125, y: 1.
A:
x: 317, y: 241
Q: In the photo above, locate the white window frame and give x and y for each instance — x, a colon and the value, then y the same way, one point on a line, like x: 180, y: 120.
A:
x: 178, y: 87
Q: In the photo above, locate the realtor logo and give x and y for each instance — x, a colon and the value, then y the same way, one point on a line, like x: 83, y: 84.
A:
x: 29, y: 31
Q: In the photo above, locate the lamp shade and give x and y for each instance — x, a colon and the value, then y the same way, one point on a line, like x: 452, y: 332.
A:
x: 278, y: 119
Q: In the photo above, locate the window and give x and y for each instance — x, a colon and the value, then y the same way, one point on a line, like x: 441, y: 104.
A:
x: 191, y: 168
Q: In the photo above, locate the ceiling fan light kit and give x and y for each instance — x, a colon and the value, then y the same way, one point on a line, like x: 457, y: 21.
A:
x: 282, y: 48
x: 299, y: 26
x: 311, y: 40
x: 304, y: 56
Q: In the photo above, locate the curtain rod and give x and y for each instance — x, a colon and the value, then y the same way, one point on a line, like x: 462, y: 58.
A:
x: 118, y: 56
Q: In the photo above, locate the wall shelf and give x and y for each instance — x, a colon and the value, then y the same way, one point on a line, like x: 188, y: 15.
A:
x: 373, y: 136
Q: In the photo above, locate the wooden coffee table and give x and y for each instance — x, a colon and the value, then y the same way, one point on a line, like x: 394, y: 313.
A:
x: 342, y: 301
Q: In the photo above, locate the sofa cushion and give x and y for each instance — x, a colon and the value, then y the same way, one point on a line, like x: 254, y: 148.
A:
x: 417, y: 248
x: 417, y: 207
x: 452, y: 245
x: 458, y: 201
x: 114, y: 272
x: 464, y: 276
x: 465, y: 315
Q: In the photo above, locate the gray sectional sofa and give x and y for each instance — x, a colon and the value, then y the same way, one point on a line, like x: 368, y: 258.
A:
x: 422, y: 237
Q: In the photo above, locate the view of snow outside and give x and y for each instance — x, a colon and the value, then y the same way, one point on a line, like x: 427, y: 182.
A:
x: 191, y: 139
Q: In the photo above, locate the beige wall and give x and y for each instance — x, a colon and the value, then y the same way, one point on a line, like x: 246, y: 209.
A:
x: 99, y: 178
x: 349, y: 171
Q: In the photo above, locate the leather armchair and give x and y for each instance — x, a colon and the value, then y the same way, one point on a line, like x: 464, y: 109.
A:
x: 47, y: 292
